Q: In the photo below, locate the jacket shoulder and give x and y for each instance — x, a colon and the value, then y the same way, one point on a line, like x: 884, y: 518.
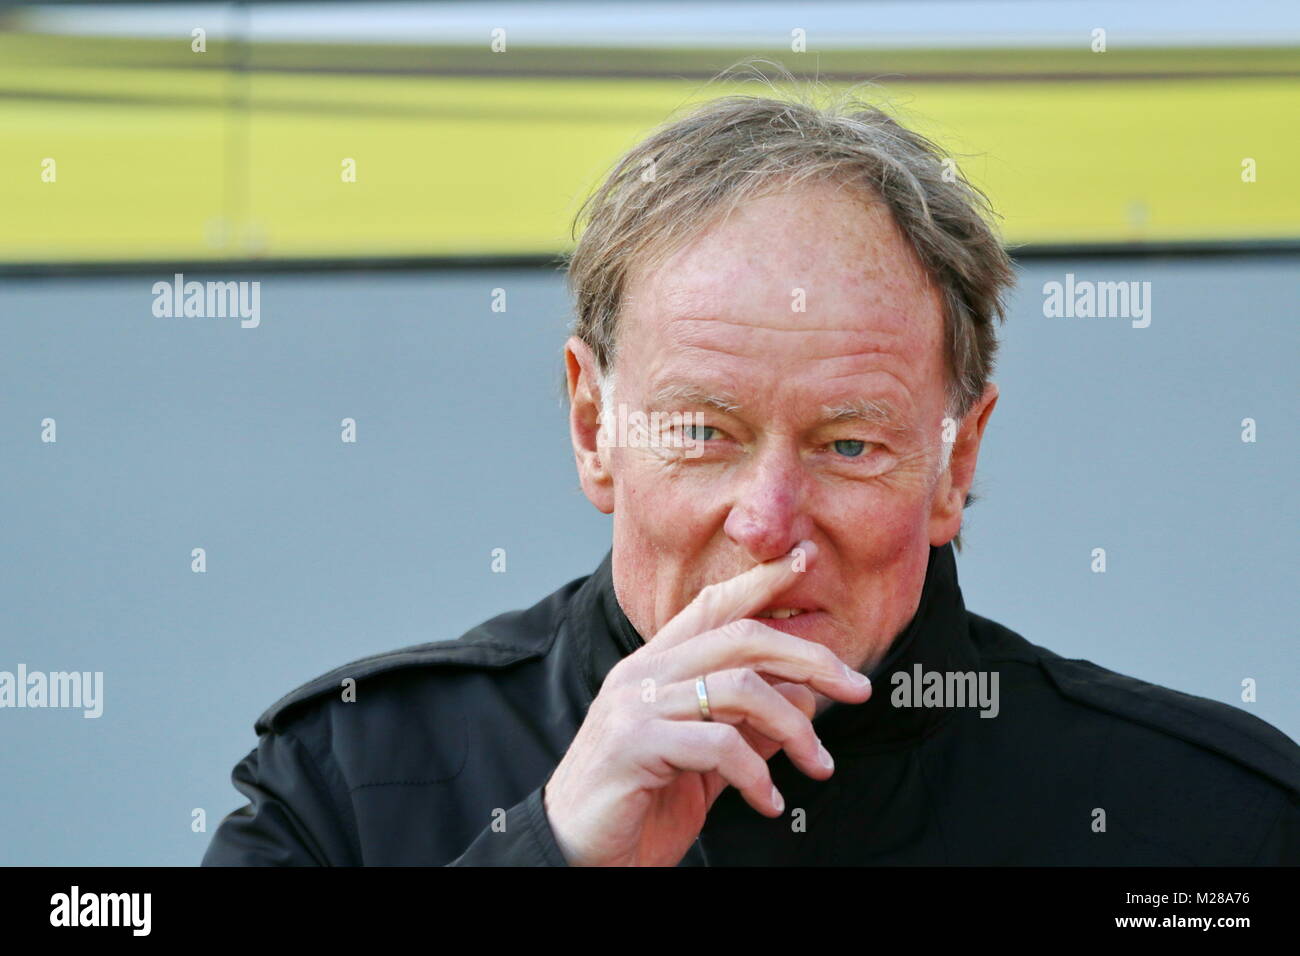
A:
x: 1218, y: 728
x: 502, y: 641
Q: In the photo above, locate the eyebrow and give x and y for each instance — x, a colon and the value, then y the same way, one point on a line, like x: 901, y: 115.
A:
x: 874, y: 411
x: 694, y: 395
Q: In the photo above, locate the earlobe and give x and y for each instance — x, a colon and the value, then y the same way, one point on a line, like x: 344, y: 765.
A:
x: 946, y: 511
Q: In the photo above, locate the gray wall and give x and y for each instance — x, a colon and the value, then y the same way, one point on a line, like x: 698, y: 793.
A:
x: 182, y: 433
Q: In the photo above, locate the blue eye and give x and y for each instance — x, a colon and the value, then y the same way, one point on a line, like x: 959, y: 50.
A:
x: 693, y: 432
x: 850, y: 448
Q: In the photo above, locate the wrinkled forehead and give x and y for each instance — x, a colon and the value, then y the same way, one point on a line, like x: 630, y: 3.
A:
x: 819, y: 251
x: 817, y: 277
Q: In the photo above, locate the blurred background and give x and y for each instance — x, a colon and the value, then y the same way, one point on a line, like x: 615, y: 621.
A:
x: 236, y: 150
x: 383, y: 169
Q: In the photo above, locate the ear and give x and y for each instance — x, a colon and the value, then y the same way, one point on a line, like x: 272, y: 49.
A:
x: 954, y: 484
x: 584, y: 425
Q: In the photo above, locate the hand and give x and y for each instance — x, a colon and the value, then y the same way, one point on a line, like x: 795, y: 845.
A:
x: 638, y: 780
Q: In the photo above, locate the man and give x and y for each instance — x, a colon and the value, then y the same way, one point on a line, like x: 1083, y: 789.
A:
x: 807, y: 299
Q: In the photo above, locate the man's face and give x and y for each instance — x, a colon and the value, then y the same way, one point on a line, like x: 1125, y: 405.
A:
x: 785, y: 327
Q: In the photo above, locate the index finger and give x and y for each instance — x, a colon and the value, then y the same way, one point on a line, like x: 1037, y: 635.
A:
x: 738, y: 597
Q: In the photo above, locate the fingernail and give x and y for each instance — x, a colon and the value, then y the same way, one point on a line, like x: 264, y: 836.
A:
x: 824, y: 756
x: 856, y: 677
x: 778, y: 801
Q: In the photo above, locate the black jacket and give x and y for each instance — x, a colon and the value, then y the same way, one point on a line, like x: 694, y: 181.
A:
x: 442, y: 758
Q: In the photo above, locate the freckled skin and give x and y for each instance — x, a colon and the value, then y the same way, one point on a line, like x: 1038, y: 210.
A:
x: 718, y: 315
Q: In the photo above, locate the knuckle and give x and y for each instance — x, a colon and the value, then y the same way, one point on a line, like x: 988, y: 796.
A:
x: 620, y: 727
x: 726, y: 738
x: 806, y: 735
x: 753, y: 771
x: 709, y: 596
x: 743, y: 681
x: 629, y: 704
x: 620, y: 711
x: 741, y: 629
x: 828, y: 659
x: 619, y: 674
x: 730, y: 631
x: 631, y: 670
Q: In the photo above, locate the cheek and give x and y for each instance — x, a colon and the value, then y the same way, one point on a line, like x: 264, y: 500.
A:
x: 887, y: 558
x: 879, y: 528
x: 661, y: 527
x: 654, y: 508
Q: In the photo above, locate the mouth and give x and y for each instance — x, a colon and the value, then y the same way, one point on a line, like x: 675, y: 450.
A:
x: 802, y: 622
x: 780, y: 613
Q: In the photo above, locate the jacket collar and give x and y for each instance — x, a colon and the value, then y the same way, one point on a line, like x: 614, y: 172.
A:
x: 936, y: 639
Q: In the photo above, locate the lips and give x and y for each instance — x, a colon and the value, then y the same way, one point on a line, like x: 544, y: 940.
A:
x: 781, y: 613
x: 804, y: 624
x: 786, y: 606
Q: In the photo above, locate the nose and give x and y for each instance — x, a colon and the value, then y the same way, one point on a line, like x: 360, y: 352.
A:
x: 768, y: 516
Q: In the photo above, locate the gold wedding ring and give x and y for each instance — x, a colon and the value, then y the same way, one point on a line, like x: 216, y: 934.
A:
x: 702, y: 692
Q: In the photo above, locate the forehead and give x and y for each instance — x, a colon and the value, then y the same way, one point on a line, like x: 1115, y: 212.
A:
x: 814, y: 290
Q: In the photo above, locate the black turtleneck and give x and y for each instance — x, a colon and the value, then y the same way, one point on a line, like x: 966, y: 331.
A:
x: 1075, y: 764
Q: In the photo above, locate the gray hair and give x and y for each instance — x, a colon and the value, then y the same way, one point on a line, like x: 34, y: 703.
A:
x: 735, y: 148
